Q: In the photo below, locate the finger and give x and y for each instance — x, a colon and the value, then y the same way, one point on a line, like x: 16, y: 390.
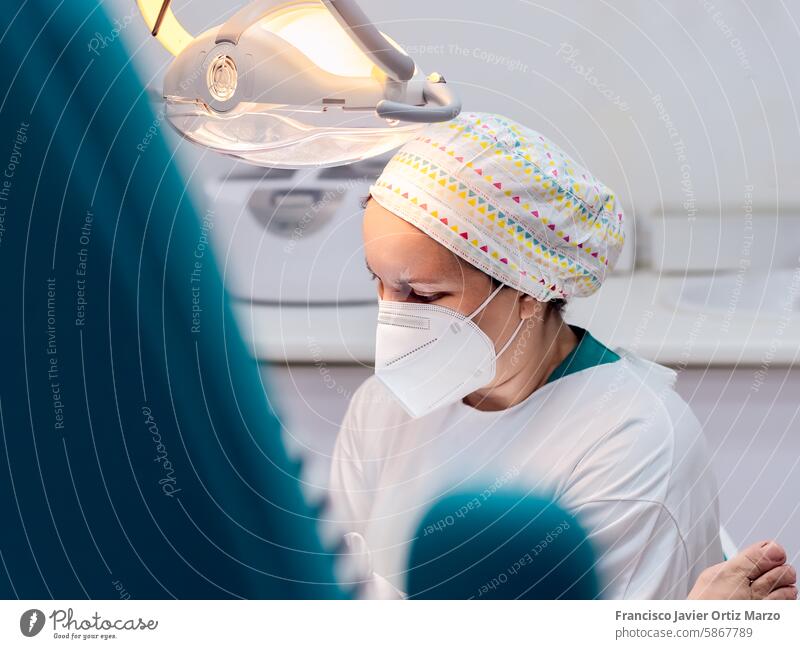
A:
x: 758, y: 559
x: 776, y: 578
x: 787, y: 592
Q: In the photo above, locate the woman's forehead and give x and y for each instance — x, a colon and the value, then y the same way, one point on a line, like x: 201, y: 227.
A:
x: 396, y: 246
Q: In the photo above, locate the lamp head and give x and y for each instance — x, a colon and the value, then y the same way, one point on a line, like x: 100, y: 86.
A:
x: 295, y: 84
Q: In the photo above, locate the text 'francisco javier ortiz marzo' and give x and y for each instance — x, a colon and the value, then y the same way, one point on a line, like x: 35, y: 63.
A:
x: 696, y: 616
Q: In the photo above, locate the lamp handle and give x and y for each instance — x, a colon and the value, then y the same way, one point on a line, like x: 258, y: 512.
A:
x: 442, y: 105
x: 386, y: 55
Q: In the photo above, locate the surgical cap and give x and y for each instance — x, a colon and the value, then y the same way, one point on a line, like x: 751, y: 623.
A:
x: 508, y: 201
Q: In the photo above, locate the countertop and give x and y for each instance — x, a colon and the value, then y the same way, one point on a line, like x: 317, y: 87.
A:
x: 741, y: 321
x: 641, y: 313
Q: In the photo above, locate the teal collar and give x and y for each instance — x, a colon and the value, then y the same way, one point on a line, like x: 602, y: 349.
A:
x: 589, y: 352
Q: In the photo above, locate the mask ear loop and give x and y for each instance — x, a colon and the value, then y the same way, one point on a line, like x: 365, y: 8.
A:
x: 511, y: 340
x: 485, y: 302
x: 482, y: 306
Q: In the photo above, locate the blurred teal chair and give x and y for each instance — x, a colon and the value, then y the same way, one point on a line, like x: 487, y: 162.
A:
x: 500, y: 545
x: 139, y: 455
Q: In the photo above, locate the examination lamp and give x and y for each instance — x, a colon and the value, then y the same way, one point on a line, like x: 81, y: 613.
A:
x: 295, y: 84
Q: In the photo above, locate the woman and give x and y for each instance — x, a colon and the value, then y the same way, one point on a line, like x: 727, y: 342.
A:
x: 477, y: 233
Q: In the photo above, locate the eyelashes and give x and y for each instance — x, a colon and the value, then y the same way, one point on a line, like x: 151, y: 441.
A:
x: 427, y: 298
x: 412, y: 294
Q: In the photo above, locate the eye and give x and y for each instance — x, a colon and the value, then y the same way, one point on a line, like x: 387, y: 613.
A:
x: 426, y: 298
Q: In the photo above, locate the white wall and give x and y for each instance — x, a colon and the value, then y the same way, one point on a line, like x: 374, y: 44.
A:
x: 732, y: 108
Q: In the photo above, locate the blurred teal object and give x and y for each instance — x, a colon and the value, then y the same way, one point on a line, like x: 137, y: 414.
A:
x: 139, y: 455
x: 500, y: 545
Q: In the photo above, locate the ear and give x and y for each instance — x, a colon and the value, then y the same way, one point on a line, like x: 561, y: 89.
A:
x: 530, y: 307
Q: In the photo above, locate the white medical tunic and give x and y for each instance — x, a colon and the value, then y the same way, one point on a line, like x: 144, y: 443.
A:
x: 614, y: 444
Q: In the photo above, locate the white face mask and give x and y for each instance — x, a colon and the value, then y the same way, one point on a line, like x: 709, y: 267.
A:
x: 430, y: 356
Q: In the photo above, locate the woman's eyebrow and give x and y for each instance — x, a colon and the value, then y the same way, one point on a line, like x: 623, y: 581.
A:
x: 409, y: 280
x: 425, y: 281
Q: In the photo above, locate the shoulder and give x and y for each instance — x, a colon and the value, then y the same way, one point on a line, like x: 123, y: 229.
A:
x: 644, y: 429
x: 655, y: 403
x: 616, y: 397
x: 635, y: 391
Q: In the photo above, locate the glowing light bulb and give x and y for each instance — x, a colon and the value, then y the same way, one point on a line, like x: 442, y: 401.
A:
x: 314, y: 31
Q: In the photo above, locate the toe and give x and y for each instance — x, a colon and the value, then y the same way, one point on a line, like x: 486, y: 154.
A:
x: 787, y: 592
x: 773, y: 580
x: 759, y: 559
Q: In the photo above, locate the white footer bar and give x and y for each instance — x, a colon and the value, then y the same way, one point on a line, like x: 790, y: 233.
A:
x: 312, y: 624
